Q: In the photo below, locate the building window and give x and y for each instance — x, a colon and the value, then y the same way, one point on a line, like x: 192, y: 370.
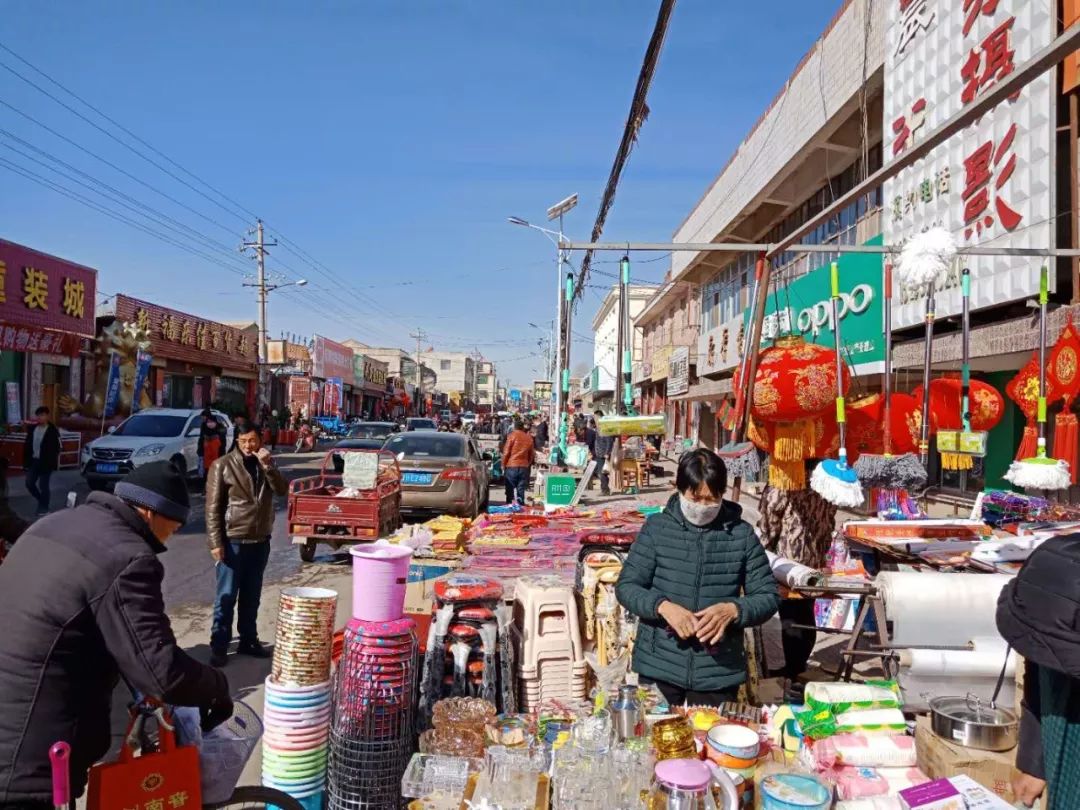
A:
x: 444, y: 365
x: 481, y: 379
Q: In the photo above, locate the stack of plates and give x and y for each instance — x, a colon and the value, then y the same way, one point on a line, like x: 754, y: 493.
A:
x: 305, y: 636
x: 296, y: 722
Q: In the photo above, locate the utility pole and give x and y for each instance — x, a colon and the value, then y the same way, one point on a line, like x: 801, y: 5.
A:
x: 260, y: 246
x: 419, y: 335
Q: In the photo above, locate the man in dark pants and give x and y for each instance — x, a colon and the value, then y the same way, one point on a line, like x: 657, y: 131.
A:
x: 239, y: 519
x: 601, y: 450
x: 41, y: 458
x: 517, y: 459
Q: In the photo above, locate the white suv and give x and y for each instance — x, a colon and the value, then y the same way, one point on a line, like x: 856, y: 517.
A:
x: 154, y: 434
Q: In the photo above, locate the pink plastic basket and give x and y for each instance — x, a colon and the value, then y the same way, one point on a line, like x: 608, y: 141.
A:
x: 379, y: 576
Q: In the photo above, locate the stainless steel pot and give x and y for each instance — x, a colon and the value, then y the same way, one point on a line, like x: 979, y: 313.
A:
x: 967, y: 721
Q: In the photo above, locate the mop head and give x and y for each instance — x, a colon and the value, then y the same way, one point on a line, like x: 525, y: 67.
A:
x: 837, y: 483
x: 741, y: 460
x: 1039, y: 473
x: 873, y: 471
x: 925, y: 256
x: 891, y: 472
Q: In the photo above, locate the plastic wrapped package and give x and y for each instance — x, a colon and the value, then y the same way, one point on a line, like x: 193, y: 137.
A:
x: 864, y: 783
x: 866, y: 751
x: 841, y: 697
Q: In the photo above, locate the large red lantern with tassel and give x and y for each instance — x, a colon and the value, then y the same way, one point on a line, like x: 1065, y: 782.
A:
x: 946, y: 403
x: 826, y: 435
x: 794, y: 384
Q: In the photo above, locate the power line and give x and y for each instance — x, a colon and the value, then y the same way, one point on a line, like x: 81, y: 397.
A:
x: 246, y: 213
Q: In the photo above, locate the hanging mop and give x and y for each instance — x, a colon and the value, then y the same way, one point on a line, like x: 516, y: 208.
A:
x: 836, y: 481
x: 1041, y: 471
x: 888, y: 471
x: 741, y: 458
x: 956, y: 448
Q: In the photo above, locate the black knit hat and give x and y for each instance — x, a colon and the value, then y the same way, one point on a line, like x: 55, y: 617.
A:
x: 159, y: 487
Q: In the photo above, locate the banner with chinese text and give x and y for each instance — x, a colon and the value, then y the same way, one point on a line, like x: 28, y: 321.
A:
x: 991, y: 184
x: 330, y: 359
x: 44, y: 292
x: 178, y: 336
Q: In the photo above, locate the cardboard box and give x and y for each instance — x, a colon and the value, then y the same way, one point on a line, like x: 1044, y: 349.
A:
x: 940, y: 759
x: 420, y: 588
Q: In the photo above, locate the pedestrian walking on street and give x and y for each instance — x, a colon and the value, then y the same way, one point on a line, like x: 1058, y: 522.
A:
x: 211, y: 444
x: 240, y: 494
x: 542, y: 434
x: 82, y: 605
x: 41, y: 458
x: 601, y: 452
x: 697, y: 577
x: 517, y: 460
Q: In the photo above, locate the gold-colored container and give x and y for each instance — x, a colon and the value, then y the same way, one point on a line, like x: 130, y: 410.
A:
x: 673, y: 738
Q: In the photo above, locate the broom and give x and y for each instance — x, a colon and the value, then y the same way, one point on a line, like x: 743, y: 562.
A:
x: 889, y: 471
x: 836, y: 481
x: 741, y: 458
x: 1040, y: 471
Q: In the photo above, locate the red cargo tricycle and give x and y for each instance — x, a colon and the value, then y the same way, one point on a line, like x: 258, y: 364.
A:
x: 330, y: 508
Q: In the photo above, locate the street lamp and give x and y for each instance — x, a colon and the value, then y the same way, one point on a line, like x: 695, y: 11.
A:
x: 562, y: 309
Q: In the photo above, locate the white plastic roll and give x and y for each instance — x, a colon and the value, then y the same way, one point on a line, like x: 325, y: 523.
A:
x: 932, y: 609
x: 985, y: 661
x: 790, y: 573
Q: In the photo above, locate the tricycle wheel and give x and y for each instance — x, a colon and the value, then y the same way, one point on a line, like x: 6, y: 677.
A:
x: 307, y: 551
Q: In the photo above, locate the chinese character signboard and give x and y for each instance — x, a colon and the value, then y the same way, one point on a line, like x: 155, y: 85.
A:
x: 991, y: 184
x: 721, y: 348
x: 661, y: 363
x: 542, y: 390
x: 179, y: 336
x: 375, y: 372
x: 39, y: 291
x: 806, y: 309
x: 330, y: 359
x: 679, y: 371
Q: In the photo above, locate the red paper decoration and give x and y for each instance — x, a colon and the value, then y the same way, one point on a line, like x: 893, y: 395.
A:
x: 1063, y: 367
x: 866, y: 421
x: 1023, y: 389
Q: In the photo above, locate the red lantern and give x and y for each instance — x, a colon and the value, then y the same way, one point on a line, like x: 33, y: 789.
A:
x: 794, y: 385
x: 946, y: 403
x: 866, y: 420
x: 826, y: 437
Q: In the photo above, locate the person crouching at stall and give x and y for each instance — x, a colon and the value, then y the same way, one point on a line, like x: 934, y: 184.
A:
x: 696, y: 576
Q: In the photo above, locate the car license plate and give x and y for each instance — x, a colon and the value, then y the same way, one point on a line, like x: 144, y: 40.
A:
x: 416, y: 478
x: 107, y: 468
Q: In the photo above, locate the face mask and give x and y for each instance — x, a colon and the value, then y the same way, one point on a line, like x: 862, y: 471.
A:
x: 699, y: 514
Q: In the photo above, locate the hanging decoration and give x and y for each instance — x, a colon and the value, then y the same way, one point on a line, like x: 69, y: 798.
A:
x: 946, y: 411
x: 795, y: 382
x: 866, y: 418
x: 1023, y: 389
x: 1063, y: 373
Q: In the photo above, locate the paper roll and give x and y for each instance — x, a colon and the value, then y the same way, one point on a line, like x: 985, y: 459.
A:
x: 790, y: 573
x: 932, y: 609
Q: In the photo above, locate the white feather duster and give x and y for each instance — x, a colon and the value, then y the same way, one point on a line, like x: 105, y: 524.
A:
x: 925, y: 256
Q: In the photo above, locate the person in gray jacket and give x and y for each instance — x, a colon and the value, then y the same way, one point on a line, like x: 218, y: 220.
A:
x: 696, y: 576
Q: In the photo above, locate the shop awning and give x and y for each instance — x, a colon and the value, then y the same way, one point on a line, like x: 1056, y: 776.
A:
x: 708, y: 389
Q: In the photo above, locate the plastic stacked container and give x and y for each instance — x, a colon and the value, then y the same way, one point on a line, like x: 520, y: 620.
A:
x: 297, y: 711
x: 551, y: 658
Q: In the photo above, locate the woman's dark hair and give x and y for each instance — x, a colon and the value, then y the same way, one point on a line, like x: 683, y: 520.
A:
x: 701, y: 466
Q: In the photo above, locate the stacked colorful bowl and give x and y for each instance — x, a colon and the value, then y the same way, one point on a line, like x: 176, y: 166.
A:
x: 371, y: 738
x: 296, y: 723
x: 297, y: 712
x: 305, y: 636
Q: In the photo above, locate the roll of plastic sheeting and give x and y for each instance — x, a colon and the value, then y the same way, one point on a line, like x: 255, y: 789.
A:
x: 790, y: 573
x: 985, y: 661
x: 931, y: 609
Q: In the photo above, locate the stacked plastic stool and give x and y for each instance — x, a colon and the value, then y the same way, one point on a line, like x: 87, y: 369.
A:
x: 468, y: 649
x: 552, y: 663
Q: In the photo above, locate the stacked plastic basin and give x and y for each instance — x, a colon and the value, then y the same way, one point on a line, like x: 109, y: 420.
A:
x: 551, y: 657
x: 297, y: 710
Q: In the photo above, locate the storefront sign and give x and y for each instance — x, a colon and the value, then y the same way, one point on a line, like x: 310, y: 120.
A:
x: 679, y: 371
x: 142, y: 372
x: 661, y: 362
x: 992, y: 184
x: 375, y: 372
x: 542, y: 390
x: 806, y: 309
x: 276, y: 352
x: 330, y: 359
x: 25, y: 339
x: 14, y: 408
x: 721, y: 348
x: 358, y: 369
x: 44, y: 292
x: 178, y: 336
x: 112, y: 386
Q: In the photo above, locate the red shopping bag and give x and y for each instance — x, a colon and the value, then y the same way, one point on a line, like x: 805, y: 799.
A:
x: 165, y: 780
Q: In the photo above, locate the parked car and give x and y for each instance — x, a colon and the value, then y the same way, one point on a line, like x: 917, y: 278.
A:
x: 154, y: 434
x: 420, y: 423
x: 442, y: 473
x: 371, y: 430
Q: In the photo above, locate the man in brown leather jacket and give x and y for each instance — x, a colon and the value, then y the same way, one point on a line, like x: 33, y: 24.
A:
x: 240, y: 489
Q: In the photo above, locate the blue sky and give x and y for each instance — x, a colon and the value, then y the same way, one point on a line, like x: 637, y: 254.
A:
x: 387, y: 140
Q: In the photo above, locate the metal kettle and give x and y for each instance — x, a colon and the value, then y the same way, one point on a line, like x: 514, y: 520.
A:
x: 686, y: 784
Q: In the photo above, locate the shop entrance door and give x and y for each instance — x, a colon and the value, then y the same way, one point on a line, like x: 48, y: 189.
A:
x: 179, y: 391
x: 55, y: 381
